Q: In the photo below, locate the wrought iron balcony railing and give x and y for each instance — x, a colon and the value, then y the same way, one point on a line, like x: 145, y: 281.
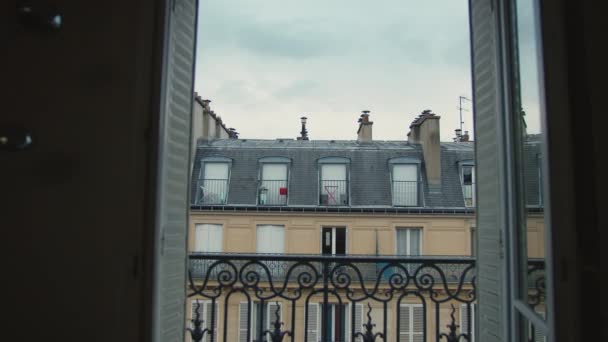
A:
x: 406, y: 193
x: 257, y: 297
x: 333, y: 192
x: 272, y: 192
x: 211, y: 191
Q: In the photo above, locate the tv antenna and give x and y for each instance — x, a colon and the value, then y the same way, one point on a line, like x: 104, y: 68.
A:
x: 460, y: 109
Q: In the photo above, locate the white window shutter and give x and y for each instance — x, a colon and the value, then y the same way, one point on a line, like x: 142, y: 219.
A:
x: 208, y: 320
x: 201, y: 313
x: 174, y: 137
x: 417, y: 323
x: 464, y: 320
x: 243, y: 309
x: 312, y: 313
x: 358, y: 320
x: 538, y: 335
x: 490, y: 268
x: 404, y: 323
x: 271, y: 310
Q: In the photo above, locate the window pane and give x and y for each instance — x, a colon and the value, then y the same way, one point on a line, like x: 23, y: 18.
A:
x: 274, y: 172
x: 273, y: 187
x: 402, y: 242
x: 334, y: 185
x: 467, y: 175
x: 216, y: 171
x: 213, y: 189
x: 333, y: 172
x: 530, y: 252
x: 415, y: 241
x: 405, y: 185
x: 405, y: 173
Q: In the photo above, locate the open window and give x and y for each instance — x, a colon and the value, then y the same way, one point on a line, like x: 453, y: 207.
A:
x: 333, y: 240
x: 467, y: 181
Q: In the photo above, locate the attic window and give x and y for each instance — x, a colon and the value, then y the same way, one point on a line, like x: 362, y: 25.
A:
x: 333, y: 181
x: 272, y: 187
x: 405, y: 184
x: 212, y: 184
x: 468, y: 185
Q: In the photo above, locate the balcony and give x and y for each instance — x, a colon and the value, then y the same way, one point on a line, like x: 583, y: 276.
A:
x: 211, y: 191
x: 405, y: 193
x: 259, y: 297
x: 333, y: 192
x: 272, y: 192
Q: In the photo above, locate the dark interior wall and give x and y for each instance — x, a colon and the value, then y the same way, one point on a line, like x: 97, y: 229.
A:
x: 74, y: 205
x: 577, y: 166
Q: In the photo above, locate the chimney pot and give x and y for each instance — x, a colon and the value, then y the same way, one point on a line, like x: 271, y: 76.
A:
x: 364, y: 134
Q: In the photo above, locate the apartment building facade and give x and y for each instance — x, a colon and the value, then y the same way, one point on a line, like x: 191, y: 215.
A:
x: 405, y: 209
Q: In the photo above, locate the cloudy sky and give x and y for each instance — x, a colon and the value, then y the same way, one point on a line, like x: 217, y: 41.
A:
x: 265, y: 63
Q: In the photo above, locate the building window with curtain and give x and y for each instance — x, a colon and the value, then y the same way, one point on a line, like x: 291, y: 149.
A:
x: 405, y: 185
x: 208, y: 238
x: 468, y: 185
x: 333, y: 184
x: 212, y: 185
x: 270, y: 239
x: 409, y: 241
x: 272, y: 189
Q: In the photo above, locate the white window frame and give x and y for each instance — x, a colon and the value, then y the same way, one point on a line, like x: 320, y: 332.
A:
x: 461, y: 315
x: 418, y: 182
x: 261, y: 179
x: 334, y: 161
x: 473, y: 199
x: 202, y: 177
x: 333, y: 239
x: 408, y: 238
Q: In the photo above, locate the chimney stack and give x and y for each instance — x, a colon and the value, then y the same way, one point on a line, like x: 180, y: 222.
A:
x: 465, y: 137
x: 364, y: 134
x: 304, y: 131
x: 424, y: 130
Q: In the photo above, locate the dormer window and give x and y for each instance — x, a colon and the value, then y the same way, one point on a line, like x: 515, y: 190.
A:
x: 468, y: 184
x: 273, y: 182
x: 405, y: 184
x: 333, y: 181
x: 212, y: 184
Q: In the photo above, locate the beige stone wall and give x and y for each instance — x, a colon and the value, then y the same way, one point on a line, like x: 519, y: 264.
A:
x: 440, y: 235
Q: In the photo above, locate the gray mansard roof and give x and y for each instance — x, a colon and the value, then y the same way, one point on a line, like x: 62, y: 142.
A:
x: 369, y: 173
